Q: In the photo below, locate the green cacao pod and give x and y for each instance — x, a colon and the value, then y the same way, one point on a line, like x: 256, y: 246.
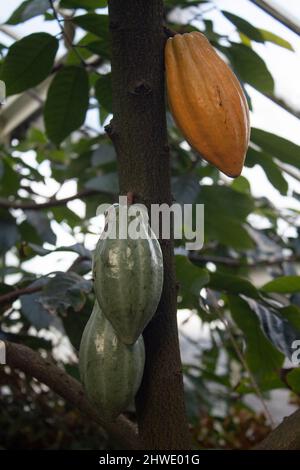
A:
x: 110, y: 370
x: 128, y: 277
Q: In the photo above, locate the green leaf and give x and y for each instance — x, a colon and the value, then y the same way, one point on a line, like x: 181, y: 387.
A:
x: 273, y: 173
x: 271, y: 37
x: 293, y: 379
x: 283, y: 285
x: 96, y: 24
x: 28, y: 62
x: 74, y: 323
x: 281, y: 148
x: 82, y: 46
x: 262, y: 357
x: 191, y: 279
x: 292, y: 314
x: 224, y: 211
x: 185, y: 188
x: 242, y: 185
x: 107, y: 183
x: 9, y: 178
x: 227, y: 230
x: 104, y: 153
x: 9, y: 234
x: 63, y: 291
x: 101, y: 48
x: 67, y: 102
x: 232, y: 285
x: 86, y: 4
x: 249, y: 67
x: 64, y: 214
x: 33, y: 310
x: 103, y: 92
x: 223, y: 200
x: 27, y: 10
x: 244, y: 26
x: 42, y: 226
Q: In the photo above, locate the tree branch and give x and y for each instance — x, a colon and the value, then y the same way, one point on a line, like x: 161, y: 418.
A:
x: 285, y: 437
x: 68, y: 40
x: 32, y: 364
x: 6, y: 204
x: 226, y: 261
x: 11, y: 296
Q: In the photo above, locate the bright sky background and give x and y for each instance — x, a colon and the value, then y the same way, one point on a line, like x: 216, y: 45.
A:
x: 283, y: 64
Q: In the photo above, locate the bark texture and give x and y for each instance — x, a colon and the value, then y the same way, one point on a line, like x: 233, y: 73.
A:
x: 139, y: 133
x: 285, y: 437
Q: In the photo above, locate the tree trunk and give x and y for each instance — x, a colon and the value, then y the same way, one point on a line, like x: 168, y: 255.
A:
x: 139, y: 133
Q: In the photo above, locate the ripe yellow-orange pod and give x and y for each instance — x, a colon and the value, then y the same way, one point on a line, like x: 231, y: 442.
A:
x: 207, y: 102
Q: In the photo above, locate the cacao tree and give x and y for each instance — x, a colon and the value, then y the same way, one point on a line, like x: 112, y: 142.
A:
x: 86, y: 119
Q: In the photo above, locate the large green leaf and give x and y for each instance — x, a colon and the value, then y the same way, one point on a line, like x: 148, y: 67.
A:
x: 225, y: 210
x: 100, y: 47
x: 28, y: 62
x: 244, y: 26
x: 277, y: 146
x: 262, y: 357
x: 273, y: 173
x: 27, y: 10
x: 249, y: 67
x: 223, y: 200
x: 283, y: 285
x: 227, y: 230
x: 67, y: 102
x: 96, y: 24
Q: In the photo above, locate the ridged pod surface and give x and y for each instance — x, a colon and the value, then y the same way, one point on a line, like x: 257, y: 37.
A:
x: 110, y: 370
x: 207, y: 102
x: 128, y: 279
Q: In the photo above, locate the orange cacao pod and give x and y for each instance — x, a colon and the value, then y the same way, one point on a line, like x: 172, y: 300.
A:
x: 207, y: 102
